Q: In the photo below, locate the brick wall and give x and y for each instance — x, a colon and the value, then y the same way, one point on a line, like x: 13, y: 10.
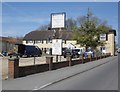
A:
x: 13, y: 68
x: 33, y: 69
x: 27, y: 70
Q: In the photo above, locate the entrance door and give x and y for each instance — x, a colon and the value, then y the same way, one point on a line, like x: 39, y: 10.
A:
x: 103, y: 50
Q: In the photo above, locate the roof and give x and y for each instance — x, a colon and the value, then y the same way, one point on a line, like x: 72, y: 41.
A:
x: 112, y: 31
x: 45, y: 35
x: 10, y: 40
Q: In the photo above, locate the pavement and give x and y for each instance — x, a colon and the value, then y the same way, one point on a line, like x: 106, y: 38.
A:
x: 25, y: 62
x: 42, y: 80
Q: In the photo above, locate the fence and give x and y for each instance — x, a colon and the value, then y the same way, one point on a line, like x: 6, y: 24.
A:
x: 32, y: 69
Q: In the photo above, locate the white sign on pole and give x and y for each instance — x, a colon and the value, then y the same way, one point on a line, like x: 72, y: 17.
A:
x: 102, y: 37
x: 57, y: 47
x: 58, y: 20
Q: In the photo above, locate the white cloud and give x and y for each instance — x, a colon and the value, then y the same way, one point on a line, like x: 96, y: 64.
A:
x: 8, y: 33
x: 12, y: 32
x: 8, y: 19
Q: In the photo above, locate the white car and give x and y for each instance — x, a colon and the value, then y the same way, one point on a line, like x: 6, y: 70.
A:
x: 79, y: 50
x: 90, y: 52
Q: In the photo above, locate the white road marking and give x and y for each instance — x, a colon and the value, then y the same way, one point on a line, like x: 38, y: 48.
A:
x: 38, y: 88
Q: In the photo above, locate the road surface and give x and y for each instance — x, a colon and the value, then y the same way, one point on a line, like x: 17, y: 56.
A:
x: 104, y: 77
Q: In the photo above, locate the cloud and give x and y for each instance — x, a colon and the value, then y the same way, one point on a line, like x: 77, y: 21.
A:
x: 13, y: 32
x: 8, y: 19
x: 8, y: 33
x: 37, y: 20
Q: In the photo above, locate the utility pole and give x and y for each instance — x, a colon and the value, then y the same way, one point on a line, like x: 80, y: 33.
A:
x: 88, y: 14
x: 88, y: 17
x: 87, y: 25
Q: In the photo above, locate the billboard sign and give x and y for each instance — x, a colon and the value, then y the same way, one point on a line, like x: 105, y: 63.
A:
x: 57, y: 47
x: 102, y: 37
x: 58, y: 20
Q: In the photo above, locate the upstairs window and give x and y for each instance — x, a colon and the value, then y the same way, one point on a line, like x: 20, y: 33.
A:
x: 103, y: 37
x: 38, y: 41
x: 30, y: 41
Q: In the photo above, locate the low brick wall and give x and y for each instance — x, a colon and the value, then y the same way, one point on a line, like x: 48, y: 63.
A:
x: 60, y: 65
x: 27, y: 70
x: 33, y: 69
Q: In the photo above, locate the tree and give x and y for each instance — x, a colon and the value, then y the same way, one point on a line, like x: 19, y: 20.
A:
x: 71, y: 24
x: 89, y: 31
x: 44, y: 27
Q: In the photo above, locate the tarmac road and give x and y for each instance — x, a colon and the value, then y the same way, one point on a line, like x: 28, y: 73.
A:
x: 104, y: 77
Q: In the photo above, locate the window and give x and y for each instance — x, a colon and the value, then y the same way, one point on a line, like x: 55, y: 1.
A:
x: 46, y: 41
x: 49, y: 40
x: 38, y: 41
x: 42, y: 41
x: 103, y: 37
x: 30, y: 41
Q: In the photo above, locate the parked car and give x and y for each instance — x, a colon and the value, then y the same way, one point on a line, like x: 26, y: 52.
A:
x: 12, y: 54
x: 118, y: 50
x: 29, y: 50
x: 79, y: 50
x: 75, y: 53
x: 4, y: 53
x: 72, y: 52
x: 67, y: 52
x: 63, y: 51
x: 90, y: 52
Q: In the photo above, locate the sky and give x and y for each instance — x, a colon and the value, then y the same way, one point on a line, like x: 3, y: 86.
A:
x: 60, y: 0
x: 20, y: 18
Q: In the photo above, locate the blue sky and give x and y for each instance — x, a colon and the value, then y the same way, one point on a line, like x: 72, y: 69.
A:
x: 22, y: 17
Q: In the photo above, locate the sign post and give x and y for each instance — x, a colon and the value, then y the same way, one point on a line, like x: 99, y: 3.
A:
x: 57, y: 47
x: 57, y: 22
